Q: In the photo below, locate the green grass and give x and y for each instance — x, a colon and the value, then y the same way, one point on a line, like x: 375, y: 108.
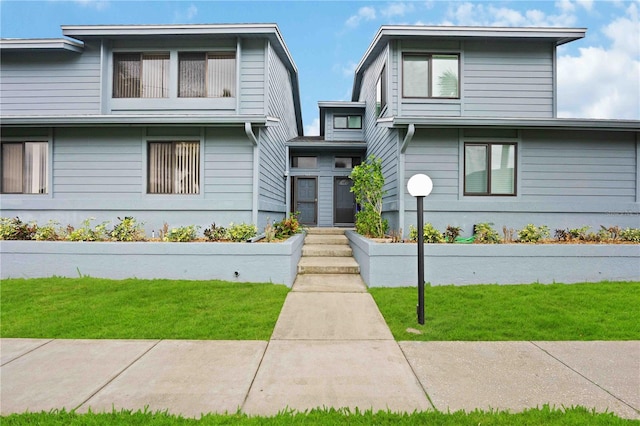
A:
x: 594, y: 311
x: 90, y: 308
x: 537, y: 416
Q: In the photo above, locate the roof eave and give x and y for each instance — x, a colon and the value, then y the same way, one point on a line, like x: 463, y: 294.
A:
x: 62, y: 44
x: 136, y: 120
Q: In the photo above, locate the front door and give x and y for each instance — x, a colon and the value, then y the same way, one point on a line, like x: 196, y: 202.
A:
x: 344, y: 201
x: 306, y: 199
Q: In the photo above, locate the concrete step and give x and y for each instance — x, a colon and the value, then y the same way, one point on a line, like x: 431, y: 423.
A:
x: 328, y: 265
x: 325, y: 231
x: 326, y: 239
x: 326, y: 250
x: 332, y: 283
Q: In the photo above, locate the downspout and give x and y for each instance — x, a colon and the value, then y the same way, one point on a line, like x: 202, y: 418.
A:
x: 411, y: 130
x: 287, y: 189
x: 256, y: 171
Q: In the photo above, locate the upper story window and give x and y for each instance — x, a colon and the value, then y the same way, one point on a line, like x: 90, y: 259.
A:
x: 347, y: 122
x: 206, y: 75
x: 430, y: 76
x: 346, y: 162
x: 174, y: 168
x: 489, y: 169
x: 381, y: 91
x: 25, y: 167
x: 300, y: 162
x: 140, y: 75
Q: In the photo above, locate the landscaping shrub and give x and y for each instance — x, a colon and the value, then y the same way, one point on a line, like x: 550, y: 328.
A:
x: 287, y: 227
x: 485, y: 234
x: 49, y: 232
x: 182, y: 234
x: 86, y: 232
x: 368, y: 184
x: 15, y: 229
x: 533, y: 234
x: 631, y: 235
x: 451, y: 233
x: 431, y: 234
x: 215, y: 233
x: 241, y: 232
x: 128, y: 230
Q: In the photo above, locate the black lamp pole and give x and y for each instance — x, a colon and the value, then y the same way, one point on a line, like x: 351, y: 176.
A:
x: 420, y: 261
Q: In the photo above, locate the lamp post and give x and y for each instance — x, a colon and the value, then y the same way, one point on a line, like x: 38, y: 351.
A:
x: 420, y: 186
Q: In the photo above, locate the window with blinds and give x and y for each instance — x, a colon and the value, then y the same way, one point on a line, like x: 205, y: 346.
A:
x: 25, y: 167
x: 174, y: 168
x: 206, y: 75
x: 489, y: 169
x: 141, y: 75
x: 430, y: 76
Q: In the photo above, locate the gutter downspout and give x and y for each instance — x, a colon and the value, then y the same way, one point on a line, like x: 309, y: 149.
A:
x: 287, y: 189
x: 411, y: 130
x: 256, y: 171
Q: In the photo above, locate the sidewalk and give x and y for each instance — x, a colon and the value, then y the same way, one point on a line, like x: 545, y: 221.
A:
x: 330, y: 348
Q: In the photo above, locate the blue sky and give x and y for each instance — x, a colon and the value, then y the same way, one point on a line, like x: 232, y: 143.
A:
x: 599, y: 76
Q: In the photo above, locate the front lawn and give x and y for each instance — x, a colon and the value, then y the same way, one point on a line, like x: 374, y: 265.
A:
x: 91, y: 308
x: 535, y: 416
x: 591, y: 311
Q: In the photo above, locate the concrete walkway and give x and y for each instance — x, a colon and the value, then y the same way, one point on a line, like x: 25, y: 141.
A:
x: 330, y: 348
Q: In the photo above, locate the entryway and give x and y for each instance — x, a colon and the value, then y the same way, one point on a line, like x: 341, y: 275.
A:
x: 305, y: 199
x: 344, y: 202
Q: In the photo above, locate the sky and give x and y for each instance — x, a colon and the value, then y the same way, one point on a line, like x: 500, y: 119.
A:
x: 598, y: 76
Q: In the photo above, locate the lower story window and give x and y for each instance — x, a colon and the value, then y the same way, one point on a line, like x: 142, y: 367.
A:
x: 489, y: 169
x: 174, y: 168
x: 25, y: 167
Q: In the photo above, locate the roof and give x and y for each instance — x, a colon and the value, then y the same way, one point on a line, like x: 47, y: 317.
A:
x: 558, y: 36
x: 62, y: 44
x: 520, y: 123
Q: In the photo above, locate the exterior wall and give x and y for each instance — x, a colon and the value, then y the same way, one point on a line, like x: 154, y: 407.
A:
x: 252, y: 90
x: 273, y: 157
x: 395, y: 265
x: 51, y: 83
x: 102, y: 172
x: 262, y: 263
x: 381, y: 142
x: 332, y: 134
x: 564, y: 179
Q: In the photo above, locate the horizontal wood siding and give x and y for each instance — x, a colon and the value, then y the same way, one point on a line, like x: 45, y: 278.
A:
x: 97, y: 163
x: 435, y: 153
x: 273, y: 156
x: 503, y: 79
x: 333, y: 134
x: 252, y: 77
x: 228, y: 168
x: 581, y: 166
x: 51, y: 83
x: 381, y: 142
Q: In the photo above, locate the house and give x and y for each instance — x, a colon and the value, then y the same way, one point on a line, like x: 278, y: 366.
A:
x: 193, y: 124
x: 183, y: 124
x: 476, y: 110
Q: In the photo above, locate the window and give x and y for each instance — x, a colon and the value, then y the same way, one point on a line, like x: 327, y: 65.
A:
x: 381, y: 91
x: 347, y: 122
x: 430, y: 76
x: 347, y: 162
x: 206, y: 75
x: 174, y: 168
x: 25, y: 167
x: 489, y: 169
x: 140, y: 75
x: 304, y: 162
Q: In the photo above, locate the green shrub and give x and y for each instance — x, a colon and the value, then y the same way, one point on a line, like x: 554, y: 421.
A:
x: 49, y: 232
x: 369, y: 222
x: 127, y: 230
x: 15, y: 229
x: 533, y: 234
x: 631, y: 235
x: 182, y: 234
x: 431, y: 234
x: 241, y: 232
x: 578, y: 233
x: 86, y: 232
x: 215, y: 233
x: 287, y: 227
x: 452, y: 233
x: 368, y: 184
x: 485, y: 234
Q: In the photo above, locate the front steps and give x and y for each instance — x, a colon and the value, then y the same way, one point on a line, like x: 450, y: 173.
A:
x: 327, y: 263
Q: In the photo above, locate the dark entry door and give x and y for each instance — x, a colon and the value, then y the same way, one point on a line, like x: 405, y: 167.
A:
x: 344, y: 202
x: 306, y: 199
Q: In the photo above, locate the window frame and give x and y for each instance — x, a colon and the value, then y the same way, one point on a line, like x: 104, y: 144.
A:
x: 430, y: 56
x: 23, y: 143
x: 141, y: 55
x: 354, y: 159
x: 295, y: 157
x: 174, y: 142
x: 347, y: 117
x: 489, y: 145
x: 225, y: 53
x: 381, y: 91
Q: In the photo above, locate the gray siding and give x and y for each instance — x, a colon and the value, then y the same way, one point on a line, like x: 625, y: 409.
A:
x: 505, y: 79
x: 272, y: 151
x: 51, y: 83
x: 252, y: 77
x: 382, y: 142
x: 332, y: 134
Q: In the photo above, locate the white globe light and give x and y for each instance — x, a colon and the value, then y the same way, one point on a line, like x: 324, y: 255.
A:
x: 420, y: 185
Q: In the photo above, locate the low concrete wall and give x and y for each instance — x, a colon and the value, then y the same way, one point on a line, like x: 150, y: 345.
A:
x: 395, y: 265
x: 254, y: 262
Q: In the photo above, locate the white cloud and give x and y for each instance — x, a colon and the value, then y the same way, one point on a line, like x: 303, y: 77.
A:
x: 396, y: 9
x: 312, y: 129
x: 477, y: 14
x: 186, y: 15
x: 365, y: 13
x: 96, y: 4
